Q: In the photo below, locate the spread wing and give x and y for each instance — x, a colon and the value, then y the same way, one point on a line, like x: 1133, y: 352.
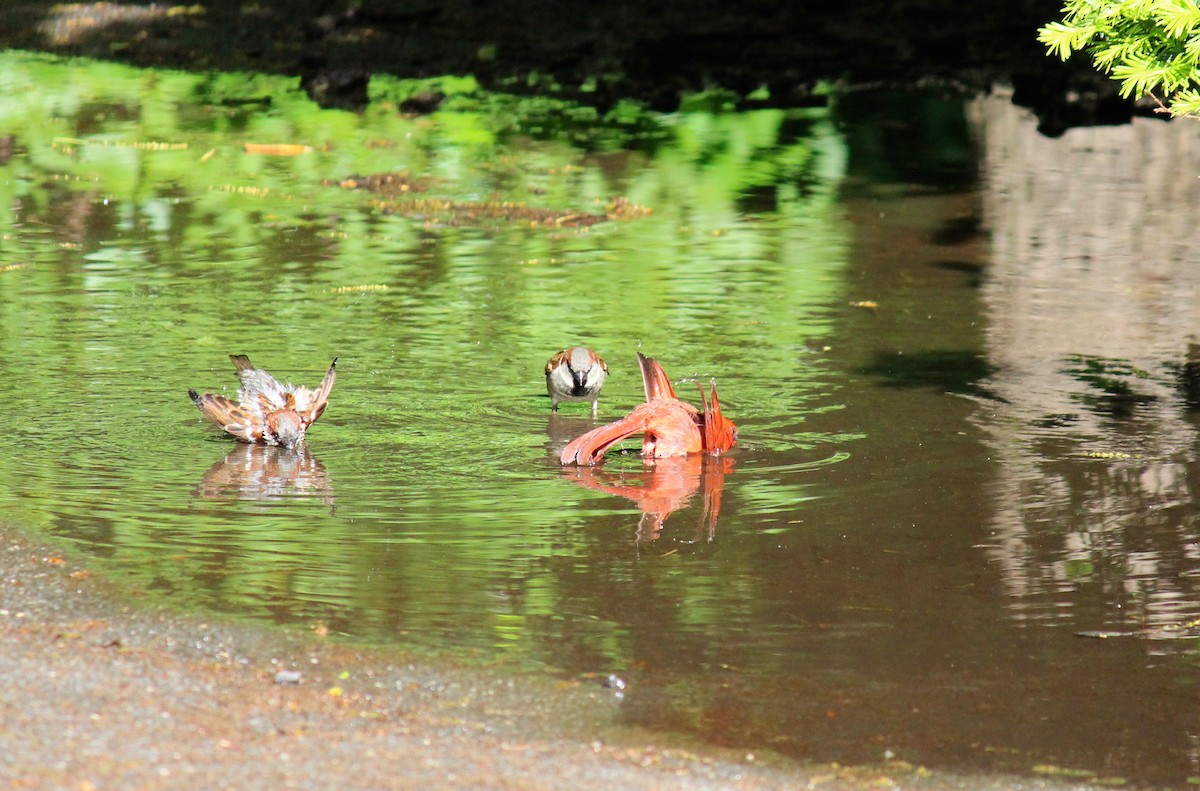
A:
x: 230, y: 416
x: 312, y: 405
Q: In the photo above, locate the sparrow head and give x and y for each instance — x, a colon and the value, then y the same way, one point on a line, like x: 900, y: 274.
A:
x: 575, y: 374
x: 587, y: 370
x: 285, y: 428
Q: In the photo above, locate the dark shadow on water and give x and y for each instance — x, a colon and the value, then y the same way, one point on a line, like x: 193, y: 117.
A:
x: 958, y: 230
x: 951, y: 371
x: 1110, y: 390
x: 1187, y: 377
x: 974, y: 273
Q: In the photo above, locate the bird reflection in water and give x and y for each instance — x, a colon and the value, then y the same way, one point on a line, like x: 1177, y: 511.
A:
x: 265, y: 472
x: 664, y: 487
x: 561, y: 429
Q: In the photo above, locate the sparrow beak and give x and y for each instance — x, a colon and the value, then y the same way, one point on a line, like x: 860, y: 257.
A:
x: 580, y: 378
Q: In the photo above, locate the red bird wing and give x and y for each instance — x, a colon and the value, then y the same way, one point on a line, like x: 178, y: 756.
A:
x: 669, y: 426
x: 589, y: 448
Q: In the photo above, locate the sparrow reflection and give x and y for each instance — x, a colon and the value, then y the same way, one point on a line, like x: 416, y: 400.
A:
x: 561, y: 429
x: 263, y: 472
x: 663, y: 487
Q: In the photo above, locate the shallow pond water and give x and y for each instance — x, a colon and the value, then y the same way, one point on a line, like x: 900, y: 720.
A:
x: 956, y: 351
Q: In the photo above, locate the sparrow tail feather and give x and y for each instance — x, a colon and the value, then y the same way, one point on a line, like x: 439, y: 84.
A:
x: 241, y: 362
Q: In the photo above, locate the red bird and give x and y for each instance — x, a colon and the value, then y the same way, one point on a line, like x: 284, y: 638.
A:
x: 670, y: 427
x: 267, y: 410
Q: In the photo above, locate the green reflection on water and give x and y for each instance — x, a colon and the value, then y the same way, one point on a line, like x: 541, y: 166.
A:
x: 142, y: 245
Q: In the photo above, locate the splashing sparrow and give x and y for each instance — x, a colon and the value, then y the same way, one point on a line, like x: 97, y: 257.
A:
x: 266, y: 410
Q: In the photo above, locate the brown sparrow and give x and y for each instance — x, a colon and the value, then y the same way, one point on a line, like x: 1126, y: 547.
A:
x: 575, y: 374
x: 266, y: 410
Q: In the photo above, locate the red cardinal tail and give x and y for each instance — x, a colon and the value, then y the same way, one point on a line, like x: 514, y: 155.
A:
x: 719, y: 434
x: 589, y: 448
x: 654, y: 379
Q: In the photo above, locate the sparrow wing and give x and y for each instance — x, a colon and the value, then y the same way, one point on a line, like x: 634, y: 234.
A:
x: 556, y: 360
x: 260, y: 404
x: 654, y: 379
x: 230, y: 416
x: 319, y: 399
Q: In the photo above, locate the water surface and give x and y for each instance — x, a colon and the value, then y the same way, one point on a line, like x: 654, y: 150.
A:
x: 956, y: 352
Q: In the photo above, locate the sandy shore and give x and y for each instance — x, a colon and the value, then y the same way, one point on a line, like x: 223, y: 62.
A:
x: 99, y: 690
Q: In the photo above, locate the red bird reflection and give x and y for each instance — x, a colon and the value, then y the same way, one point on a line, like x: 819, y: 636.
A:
x: 665, y: 486
x: 669, y: 427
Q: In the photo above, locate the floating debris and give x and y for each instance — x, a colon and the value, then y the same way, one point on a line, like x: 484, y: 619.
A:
x: 276, y: 149
x: 141, y: 145
x: 287, y: 677
x: 382, y: 183
x: 1183, y: 630
x: 447, y: 212
x: 1106, y: 454
x: 353, y: 289
x: 257, y: 192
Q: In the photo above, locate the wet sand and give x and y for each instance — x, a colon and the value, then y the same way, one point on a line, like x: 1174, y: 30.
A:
x: 100, y: 690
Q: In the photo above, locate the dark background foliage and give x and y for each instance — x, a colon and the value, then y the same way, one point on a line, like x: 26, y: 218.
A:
x: 598, y: 52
